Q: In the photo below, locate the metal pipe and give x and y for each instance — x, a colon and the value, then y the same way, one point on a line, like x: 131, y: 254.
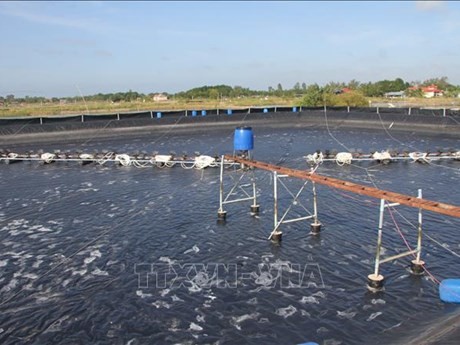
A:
x: 275, y: 200
x: 254, y: 189
x: 419, y: 236
x: 237, y: 200
x: 234, y: 187
x: 315, y: 208
x: 221, y: 188
x: 296, y: 219
x: 397, y: 256
x: 275, y: 204
x: 379, y: 238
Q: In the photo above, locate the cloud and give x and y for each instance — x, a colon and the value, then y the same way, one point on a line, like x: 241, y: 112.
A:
x: 429, y: 5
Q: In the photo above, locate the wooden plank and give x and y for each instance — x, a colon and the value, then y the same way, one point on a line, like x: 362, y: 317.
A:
x: 434, y: 206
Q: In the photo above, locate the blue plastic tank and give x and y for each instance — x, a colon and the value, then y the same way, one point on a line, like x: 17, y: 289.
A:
x: 449, y: 290
x: 193, y: 112
x: 203, y: 113
x: 243, y: 139
x: 158, y: 115
x: 265, y: 110
x: 229, y: 111
x: 294, y: 109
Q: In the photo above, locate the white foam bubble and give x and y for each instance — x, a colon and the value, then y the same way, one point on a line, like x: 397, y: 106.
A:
x: 309, y: 299
x: 346, y: 314
x: 322, y: 330
x: 141, y: 294
x: 167, y: 259
x: 237, y: 320
x: 99, y: 272
x: 378, y: 301
x: 92, y: 256
x: 164, y: 292
x: 286, y: 312
x: 194, y: 249
x: 176, y: 299
x: 319, y: 294
x: 80, y: 272
x: 252, y: 301
x: 305, y: 313
x: 161, y: 304
x: 374, y: 315
x: 65, y: 282
x: 194, y: 327
x: 11, y: 285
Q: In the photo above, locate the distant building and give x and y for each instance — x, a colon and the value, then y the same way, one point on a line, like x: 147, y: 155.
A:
x: 344, y: 90
x: 395, y: 94
x: 160, y: 97
x: 429, y: 91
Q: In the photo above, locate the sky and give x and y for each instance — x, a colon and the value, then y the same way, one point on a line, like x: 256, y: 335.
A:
x: 59, y: 49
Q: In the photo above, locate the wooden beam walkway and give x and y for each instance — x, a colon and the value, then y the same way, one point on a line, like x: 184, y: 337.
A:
x: 434, y: 206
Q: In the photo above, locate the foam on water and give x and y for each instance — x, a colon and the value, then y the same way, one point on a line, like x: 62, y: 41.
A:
x: 309, y: 299
x: 286, y: 312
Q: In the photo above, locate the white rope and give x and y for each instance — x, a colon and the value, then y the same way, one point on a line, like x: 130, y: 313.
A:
x: 343, y: 158
x: 138, y: 164
x: 187, y: 167
x: 108, y: 156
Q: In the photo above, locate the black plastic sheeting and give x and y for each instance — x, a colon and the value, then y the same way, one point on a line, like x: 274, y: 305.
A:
x: 76, y: 118
x: 239, y: 111
x: 314, y: 115
x: 262, y: 110
x: 393, y: 111
x: 16, y: 121
x: 100, y: 117
x: 140, y: 115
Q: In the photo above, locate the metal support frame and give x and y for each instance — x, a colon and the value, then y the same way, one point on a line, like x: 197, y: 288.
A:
x: 225, y: 200
x: 277, y: 222
x: 418, y: 250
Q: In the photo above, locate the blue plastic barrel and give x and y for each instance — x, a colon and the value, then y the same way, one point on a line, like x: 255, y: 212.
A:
x: 265, y: 110
x: 193, y: 112
x: 294, y: 109
x: 158, y: 115
x: 449, y: 290
x: 243, y: 139
x: 203, y: 113
x: 229, y: 111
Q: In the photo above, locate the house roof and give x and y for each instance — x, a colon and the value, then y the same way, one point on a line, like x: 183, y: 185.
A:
x: 431, y: 88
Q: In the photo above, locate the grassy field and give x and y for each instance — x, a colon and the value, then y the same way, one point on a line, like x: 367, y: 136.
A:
x: 101, y: 107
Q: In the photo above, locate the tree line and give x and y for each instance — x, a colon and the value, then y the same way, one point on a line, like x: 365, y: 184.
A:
x: 311, y: 95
